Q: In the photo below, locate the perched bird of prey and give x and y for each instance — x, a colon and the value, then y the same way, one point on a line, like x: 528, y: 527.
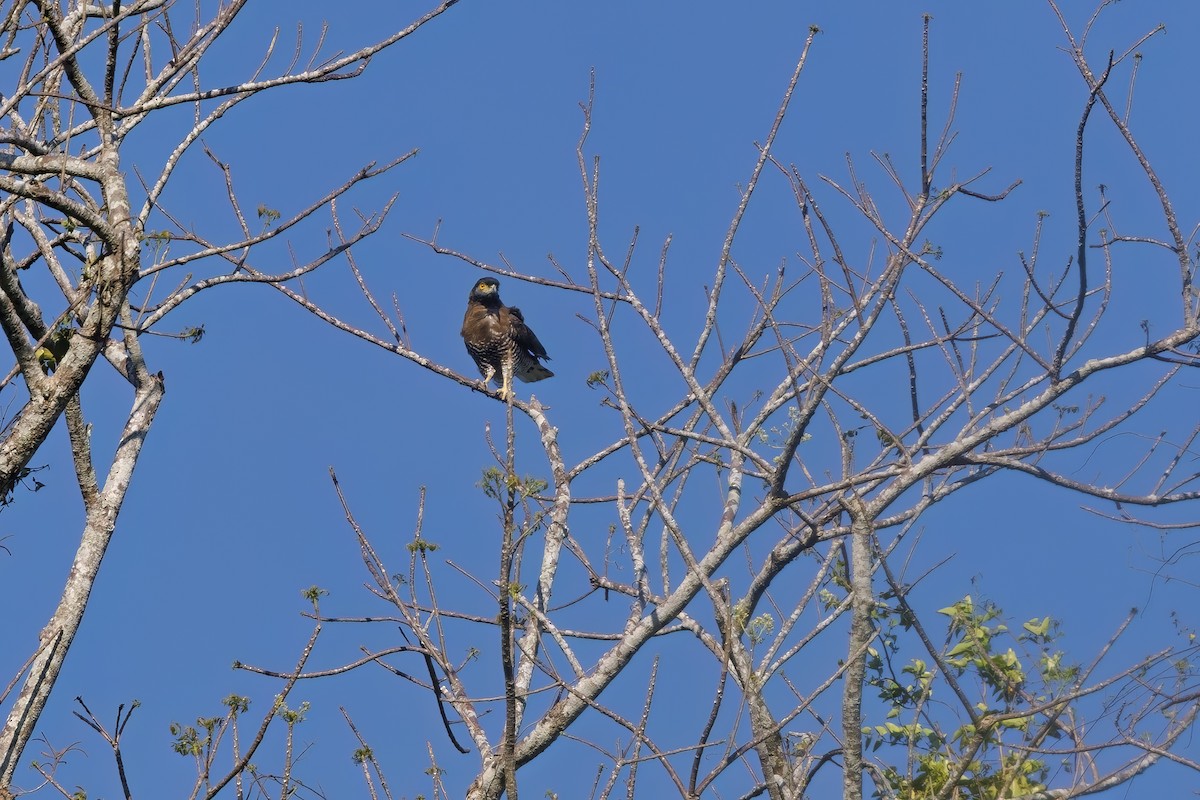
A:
x: 499, y: 341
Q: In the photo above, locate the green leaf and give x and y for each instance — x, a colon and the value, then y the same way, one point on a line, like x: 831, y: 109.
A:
x: 1038, y: 628
x: 960, y: 648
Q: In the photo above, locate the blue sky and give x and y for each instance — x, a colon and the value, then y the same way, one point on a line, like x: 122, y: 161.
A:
x: 232, y: 513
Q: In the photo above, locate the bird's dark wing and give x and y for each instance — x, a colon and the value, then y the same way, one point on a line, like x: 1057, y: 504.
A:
x: 529, y: 352
x: 525, y: 338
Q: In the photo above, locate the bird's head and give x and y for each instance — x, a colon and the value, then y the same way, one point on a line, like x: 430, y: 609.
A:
x: 486, y: 290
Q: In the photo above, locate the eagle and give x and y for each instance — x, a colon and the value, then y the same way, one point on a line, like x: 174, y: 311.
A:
x: 499, y: 341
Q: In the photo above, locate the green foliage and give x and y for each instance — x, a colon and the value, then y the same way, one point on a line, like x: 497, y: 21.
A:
x: 1021, y: 673
x: 760, y: 628
x: 492, y: 482
x: 892, y: 733
x: 292, y: 716
x: 237, y: 704
x: 1016, y: 777
x: 597, y: 378
x: 362, y: 754
x: 1037, y: 628
x: 313, y: 594
x: 194, y: 740
x: 496, y: 485
x: 829, y: 600
x: 267, y: 215
x: 421, y: 546
x: 1002, y: 671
